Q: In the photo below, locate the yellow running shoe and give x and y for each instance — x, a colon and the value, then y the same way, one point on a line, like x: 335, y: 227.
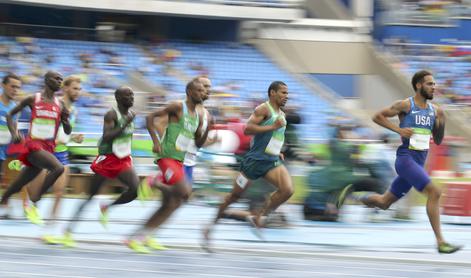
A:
x: 343, y: 195
x: 32, y: 214
x: 52, y: 240
x: 15, y: 165
x: 447, y: 248
x: 104, y: 215
x: 144, y: 191
x: 68, y: 241
x: 137, y: 246
x: 152, y: 243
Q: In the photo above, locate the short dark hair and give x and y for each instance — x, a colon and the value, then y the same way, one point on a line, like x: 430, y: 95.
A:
x: 419, y: 77
x: 9, y: 76
x: 192, y: 84
x: 275, y: 85
x: 121, y: 90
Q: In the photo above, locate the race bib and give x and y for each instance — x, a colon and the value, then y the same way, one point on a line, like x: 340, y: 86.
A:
x: 190, y: 159
x: 5, y: 135
x: 420, y: 140
x: 62, y: 138
x: 43, y: 128
x: 275, y: 144
x: 122, y: 147
x: 182, y: 142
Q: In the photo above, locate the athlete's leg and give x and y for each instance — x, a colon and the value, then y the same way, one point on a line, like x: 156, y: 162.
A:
x: 130, y: 179
x: 398, y: 188
x: 59, y: 189
x: 240, y: 184
x: 95, y: 185
x: 281, y: 179
x: 171, y: 201
x: 26, y: 175
x: 433, y: 194
x: 46, y: 160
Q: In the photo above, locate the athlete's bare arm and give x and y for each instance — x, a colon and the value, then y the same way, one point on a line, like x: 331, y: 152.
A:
x: 260, y: 114
x: 110, y: 130
x: 65, y: 113
x: 201, y: 137
x: 396, y: 109
x: 12, y: 126
x: 172, y: 111
x: 438, y: 131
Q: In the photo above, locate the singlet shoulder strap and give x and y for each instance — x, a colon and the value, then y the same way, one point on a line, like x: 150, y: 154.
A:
x: 412, y: 103
x: 272, y: 111
x: 185, y: 109
x: 431, y: 108
x: 118, y: 114
x: 37, y: 97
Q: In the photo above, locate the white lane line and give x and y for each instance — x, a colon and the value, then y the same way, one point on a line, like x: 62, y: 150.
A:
x: 61, y: 265
x: 193, y: 273
x: 350, y: 259
x: 29, y: 274
x: 256, y: 269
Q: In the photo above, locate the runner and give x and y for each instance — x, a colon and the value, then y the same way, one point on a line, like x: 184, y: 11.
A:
x: 71, y: 90
x: 38, y: 147
x: 113, y: 160
x: 267, y: 123
x: 184, y: 125
x: 419, y: 120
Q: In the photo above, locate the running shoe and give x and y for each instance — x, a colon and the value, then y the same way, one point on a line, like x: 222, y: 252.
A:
x: 68, y: 241
x: 51, y: 240
x: 144, y: 190
x: 15, y: 165
x: 32, y: 214
x: 152, y: 243
x: 137, y: 246
x: 447, y: 248
x: 104, y: 215
x: 256, y: 230
x: 343, y: 195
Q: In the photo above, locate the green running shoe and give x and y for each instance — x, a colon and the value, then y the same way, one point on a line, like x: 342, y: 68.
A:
x: 447, y: 248
x: 343, y: 195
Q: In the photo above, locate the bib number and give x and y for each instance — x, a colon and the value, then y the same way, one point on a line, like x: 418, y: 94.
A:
x: 274, y: 146
x: 5, y: 135
x: 420, y: 140
x: 182, y: 143
x: 62, y: 138
x: 122, y: 147
x: 43, y: 129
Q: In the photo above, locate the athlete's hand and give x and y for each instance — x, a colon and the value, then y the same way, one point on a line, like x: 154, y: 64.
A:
x: 156, y: 148
x: 130, y: 117
x: 16, y: 138
x: 65, y: 113
x: 280, y: 122
x: 406, y: 132
x: 77, y: 138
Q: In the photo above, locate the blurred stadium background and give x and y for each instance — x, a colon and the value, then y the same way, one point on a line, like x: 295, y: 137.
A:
x: 342, y: 60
